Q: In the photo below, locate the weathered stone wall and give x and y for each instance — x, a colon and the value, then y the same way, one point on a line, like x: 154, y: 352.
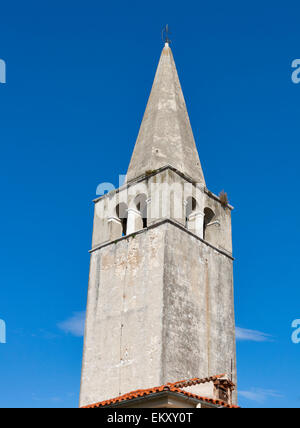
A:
x: 123, y: 338
x: 198, y: 324
x: 160, y: 309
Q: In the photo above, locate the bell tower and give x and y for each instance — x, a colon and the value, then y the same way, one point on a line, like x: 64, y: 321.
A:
x: 160, y: 300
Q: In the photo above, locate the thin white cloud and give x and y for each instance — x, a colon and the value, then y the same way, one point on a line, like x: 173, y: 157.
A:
x: 74, y: 325
x: 259, y: 395
x: 252, y: 335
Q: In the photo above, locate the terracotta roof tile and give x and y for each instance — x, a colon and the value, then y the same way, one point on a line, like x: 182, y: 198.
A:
x: 172, y: 387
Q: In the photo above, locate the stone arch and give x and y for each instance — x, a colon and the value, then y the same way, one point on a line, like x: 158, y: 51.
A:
x: 209, y: 215
x: 193, y: 216
x: 122, y: 214
x: 190, y: 208
x: 140, y: 203
x: 137, y: 212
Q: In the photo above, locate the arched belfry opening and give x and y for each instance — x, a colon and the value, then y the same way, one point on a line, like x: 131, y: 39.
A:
x: 122, y: 213
x: 191, y: 205
x: 209, y: 215
x: 141, y: 206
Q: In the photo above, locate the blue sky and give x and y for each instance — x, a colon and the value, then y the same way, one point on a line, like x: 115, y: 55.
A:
x: 78, y: 78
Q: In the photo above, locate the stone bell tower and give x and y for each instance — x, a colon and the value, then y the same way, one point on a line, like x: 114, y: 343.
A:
x: 160, y: 301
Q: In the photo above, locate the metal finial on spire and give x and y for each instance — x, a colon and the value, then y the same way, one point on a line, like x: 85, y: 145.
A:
x: 165, y: 34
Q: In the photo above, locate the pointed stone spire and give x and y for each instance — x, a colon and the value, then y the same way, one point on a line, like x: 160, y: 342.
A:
x: 166, y: 136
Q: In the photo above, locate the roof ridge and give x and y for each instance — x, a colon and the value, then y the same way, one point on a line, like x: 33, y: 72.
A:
x: 207, y: 399
x: 197, y: 380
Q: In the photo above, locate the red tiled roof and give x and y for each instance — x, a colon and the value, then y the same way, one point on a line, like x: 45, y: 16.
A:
x: 171, y: 387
